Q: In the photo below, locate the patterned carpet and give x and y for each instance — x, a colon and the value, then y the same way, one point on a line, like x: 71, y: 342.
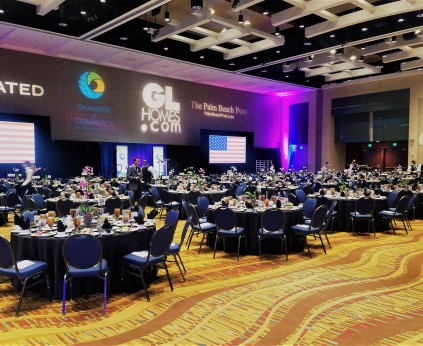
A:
x: 365, y: 291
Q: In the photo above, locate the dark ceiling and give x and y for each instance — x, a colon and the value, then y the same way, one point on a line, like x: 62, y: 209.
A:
x: 121, y: 23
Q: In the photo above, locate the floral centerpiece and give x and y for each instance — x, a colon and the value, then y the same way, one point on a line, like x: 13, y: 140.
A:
x: 201, y: 171
x: 85, y: 182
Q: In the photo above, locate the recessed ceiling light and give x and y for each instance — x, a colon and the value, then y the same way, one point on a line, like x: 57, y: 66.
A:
x: 103, y: 1
x: 333, y: 51
x: 254, y: 57
x: 420, y: 15
x: 63, y: 24
x: 231, y: 64
x: 201, y: 56
x: 353, y: 57
x: 83, y: 13
x: 263, y: 71
x: 332, y: 36
x: 418, y: 32
x: 1, y: 11
x: 286, y: 76
x: 301, y: 26
x: 166, y: 48
x: 123, y: 38
x: 364, y: 29
x: 278, y: 51
x: 400, y: 20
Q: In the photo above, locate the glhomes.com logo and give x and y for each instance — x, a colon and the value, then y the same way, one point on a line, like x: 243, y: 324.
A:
x: 91, y: 85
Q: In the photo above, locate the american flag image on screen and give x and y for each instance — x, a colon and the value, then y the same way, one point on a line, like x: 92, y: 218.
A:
x: 17, y: 142
x: 227, y: 149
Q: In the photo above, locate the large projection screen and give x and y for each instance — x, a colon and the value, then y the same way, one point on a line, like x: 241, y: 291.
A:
x: 17, y: 142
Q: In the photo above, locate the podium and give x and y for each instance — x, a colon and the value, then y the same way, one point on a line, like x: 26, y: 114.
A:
x: 163, y: 166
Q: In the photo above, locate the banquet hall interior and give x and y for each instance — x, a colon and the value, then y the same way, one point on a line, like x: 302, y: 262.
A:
x: 309, y: 110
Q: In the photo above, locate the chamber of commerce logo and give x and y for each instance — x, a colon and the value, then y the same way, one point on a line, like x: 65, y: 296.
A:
x: 91, y: 85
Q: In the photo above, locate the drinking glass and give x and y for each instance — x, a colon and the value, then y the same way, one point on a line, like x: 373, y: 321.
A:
x: 125, y: 219
x: 72, y: 213
x: 50, y: 221
x: 116, y: 212
x: 52, y: 214
x: 77, y: 222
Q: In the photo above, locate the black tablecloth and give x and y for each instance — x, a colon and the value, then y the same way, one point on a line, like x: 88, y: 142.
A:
x: 251, y: 221
x: 50, y: 250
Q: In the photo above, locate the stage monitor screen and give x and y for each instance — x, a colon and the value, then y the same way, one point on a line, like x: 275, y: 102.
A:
x: 17, y: 142
x: 227, y: 149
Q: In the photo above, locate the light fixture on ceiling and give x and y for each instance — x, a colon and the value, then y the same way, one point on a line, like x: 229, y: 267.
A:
x: 307, y: 42
x: 265, y: 10
x: 277, y: 31
x: 420, y: 14
x: 167, y: 15
x: 417, y: 32
x: 240, y: 18
x: 166, y: 48
x: 1, y: 11
x: 103, y: 1
x: 353, y: 57
x: 301, y: 25
x: 196, y: 5
x: 332, y: 35
x: 234, y: 4
x: 123, y: 38
x: 83, y: 13
x: 394, y: 39
x: 400, y: 19
x: 332, y: 51
x: 63, y: 24
x: 364, y: 28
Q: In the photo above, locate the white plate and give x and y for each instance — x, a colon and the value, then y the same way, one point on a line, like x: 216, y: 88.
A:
x: 43, y: 235
x: 61, y: 235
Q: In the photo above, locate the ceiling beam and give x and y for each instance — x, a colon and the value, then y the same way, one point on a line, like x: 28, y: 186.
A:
x: 363, y: 16
x: 385, y: 46
x: 186, y: 24
x: 402, y: 55
x: 221, y: 37
x: 44, y: 6
x: 364, y: 5
x: 311, y: 7
x: 244, y: 4
x: 411, y: 65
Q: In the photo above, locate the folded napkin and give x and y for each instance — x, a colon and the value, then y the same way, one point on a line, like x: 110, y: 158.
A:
x: 278, y: 203
x: 61, y: 227
x: 152, y: 214
x: 139, y: 220
x: 249, y: 205
x: 106, y: 225
x: 20, y: 221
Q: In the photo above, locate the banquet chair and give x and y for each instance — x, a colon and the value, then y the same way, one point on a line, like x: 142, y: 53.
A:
x: 172, y: 218
x: 131, y: 198
x: 168, y: 204
x: 40, y: 202
x: 30, y: 204
x: 364, y: 208
x: 111, y: 204
x: 158, y: 203
x: 203, y: 208
x: 122, y: 188
x: 301, y: 196
x: 272, y: 227
x: 63, y: 206
x: 28, y: 273
x: 28, y: 215
x: 143, y: 200
x: 47, y: 192
x: 400, y: 214
x: 411, y: 208
x: 314, y: 228
x: 308, y: 207
x: 392, y: 198
x: 204, y: 228
x: 138, y: 263
x: 13, y: 200
x: 83, y: 256
x: 175, y: 249
x: 192, y: 197
x: 225, y: 220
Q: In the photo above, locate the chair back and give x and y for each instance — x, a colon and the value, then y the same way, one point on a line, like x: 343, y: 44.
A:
x: 322, y: 200
x: 192, y: 214
x: 239, y: 190
x: 9, y: 191
x: 172, y: 217
x: 39, y: 200
x: 273, y: 220
x: 185, y: 230
x: 141, y: 212
x: 130, y: 195
x: 13, y: 199
x: 29, y: 215
x: 331, y: 210
x: 192, y: 197
x: 47, y: 192
x: 301, y: 196
x: 319, y: 216
x: 365, y: 205
x: 203, y: 205
x: 309, y: 206
x: 402, y: 205
x: 122, y: 188
x: 185, y: 206
x: 392, y: 197
x: 82, y: 251
x: 6, y: 255
x: 111, y: 204
x: 155, y: 193
x: 411, y: 201
x: 143, y: 200
x: 30, y: 203
x: 306, y: 190
x: 161, y: 240
x: 225, y: 218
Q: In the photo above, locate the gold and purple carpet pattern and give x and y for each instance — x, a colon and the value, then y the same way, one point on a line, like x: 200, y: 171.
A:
x: 364, y: 291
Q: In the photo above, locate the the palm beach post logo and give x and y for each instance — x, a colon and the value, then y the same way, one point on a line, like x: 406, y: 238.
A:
x: 91, y: 85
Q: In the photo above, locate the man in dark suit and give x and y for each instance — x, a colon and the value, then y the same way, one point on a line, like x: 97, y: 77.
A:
x: 133, y: 174
x: 146, y: 173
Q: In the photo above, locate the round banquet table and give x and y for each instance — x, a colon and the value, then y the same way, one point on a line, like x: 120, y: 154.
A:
x: 49, y: 249
x: 251, y: 221
x: 346, y: 205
